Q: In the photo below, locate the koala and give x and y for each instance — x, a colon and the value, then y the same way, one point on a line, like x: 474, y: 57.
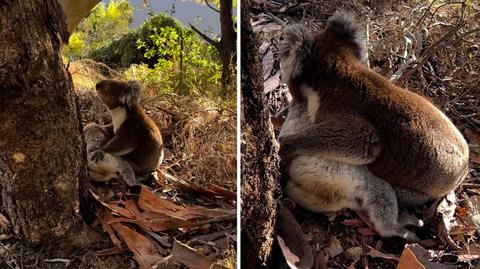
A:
x: 110, y: 166
x: 420, y: 151
x: 136, y: 138
x: 326, y: 166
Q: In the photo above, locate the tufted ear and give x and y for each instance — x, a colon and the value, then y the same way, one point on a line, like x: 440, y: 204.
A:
x: 294, y: 49
x: 343, y: 25
x: 131, y: 93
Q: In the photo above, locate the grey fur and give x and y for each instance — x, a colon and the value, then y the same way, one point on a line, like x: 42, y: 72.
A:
x: 345, y: 26
x: 110, y: 166
x: 131, y: 96
x: 294, y: 49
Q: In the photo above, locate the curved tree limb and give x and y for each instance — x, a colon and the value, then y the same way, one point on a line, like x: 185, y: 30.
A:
x: 211, y: 7
x: 212, y: 42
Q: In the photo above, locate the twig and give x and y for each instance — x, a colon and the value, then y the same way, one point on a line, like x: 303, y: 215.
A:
x: 445, y: 4
x: 66, y: 261
x: 228, y: 217
x: 212, y: 7
x: 212, y: 42
x: 429, y: 52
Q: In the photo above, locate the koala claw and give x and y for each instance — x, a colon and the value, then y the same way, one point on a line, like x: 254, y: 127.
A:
x: 98, y: 156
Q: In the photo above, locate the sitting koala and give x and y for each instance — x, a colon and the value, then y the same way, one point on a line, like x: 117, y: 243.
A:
x: 110, y: 166
x: 327, y: 170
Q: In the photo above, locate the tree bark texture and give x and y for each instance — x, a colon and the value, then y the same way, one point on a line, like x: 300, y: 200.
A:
x: 228, y: 43
x: 42, y: 153
x: 260, y: 177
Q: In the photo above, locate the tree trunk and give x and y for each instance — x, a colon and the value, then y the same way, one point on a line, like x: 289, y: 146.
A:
x: 260, y: 176
x: 42, y: 156
x: 228, y: 42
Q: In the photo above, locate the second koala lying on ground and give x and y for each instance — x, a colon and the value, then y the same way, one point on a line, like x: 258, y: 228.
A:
x: 110, y: 166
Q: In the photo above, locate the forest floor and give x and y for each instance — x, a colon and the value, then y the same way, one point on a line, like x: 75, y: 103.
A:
x: 430, y: 49
x: 187, y: 217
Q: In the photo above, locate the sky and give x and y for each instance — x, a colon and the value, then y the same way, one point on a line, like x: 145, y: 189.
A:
x: 187, y: 11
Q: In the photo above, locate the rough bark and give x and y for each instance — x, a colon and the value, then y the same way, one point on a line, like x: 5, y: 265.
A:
x: 260, y: 177
x: 42, y: 154
x: 228, y: 42
x: 227, y: 46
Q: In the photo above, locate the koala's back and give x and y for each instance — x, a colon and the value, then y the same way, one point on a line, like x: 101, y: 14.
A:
x: 149, y: 153
x: 420, y: 145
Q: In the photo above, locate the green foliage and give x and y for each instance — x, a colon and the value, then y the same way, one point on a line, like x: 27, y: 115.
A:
x: 162, y: 52
x: 188, y: 63
x: 104, y: 23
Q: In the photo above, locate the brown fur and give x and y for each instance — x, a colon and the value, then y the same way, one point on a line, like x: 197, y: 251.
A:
x: 420, y: 148
x: 137, y: 137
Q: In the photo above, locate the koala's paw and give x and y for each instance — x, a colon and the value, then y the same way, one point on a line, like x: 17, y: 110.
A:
x: 408, y: 236
x: 98, y: 156
x: 372, y: 147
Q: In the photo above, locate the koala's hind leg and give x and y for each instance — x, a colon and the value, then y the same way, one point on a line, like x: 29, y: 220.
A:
x: 378, y: 198
x: 125, y: 171
x: 409, y: 198
x: 406, y: 219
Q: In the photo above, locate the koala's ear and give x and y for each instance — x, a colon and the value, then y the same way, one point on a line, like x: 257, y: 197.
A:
x: 131, y: 94
x: 294, y: 49
x: 343, y: 25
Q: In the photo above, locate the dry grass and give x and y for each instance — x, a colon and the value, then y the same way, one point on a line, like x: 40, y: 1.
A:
x: 200, y: 134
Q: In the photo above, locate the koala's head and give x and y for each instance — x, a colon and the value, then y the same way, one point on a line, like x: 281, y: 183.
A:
x: 95, y: 136
x: 304, y: 55
x: 116, y: 93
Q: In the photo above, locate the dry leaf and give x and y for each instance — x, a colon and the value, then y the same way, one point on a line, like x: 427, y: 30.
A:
x: 144, y: 251
x: 111, y: 251
x: 291, y: 258
x: 272, y: 83
x: 115, y: 209
x: 320, y: 261
x: 151, y: 202
x: 416, y: 257
x: 4, y: 223
x: 187, y: 256
x: 353, y: 223
x: 377, y: 254
x: 475, y: 157
x: 366, y: 231
x: 293, y: 239
x: 277, y: 122
x: 334, y: 248
x: 472, y: 252
x: 267, y: 63
x: 473, y: 136
x: 446, y: 210
x: 105, y: 217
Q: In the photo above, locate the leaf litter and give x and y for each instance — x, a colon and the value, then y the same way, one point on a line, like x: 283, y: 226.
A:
x: 147, y: 224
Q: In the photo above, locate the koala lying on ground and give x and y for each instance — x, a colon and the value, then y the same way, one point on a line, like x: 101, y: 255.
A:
x: 355, y: 140
x: 110, y: 166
